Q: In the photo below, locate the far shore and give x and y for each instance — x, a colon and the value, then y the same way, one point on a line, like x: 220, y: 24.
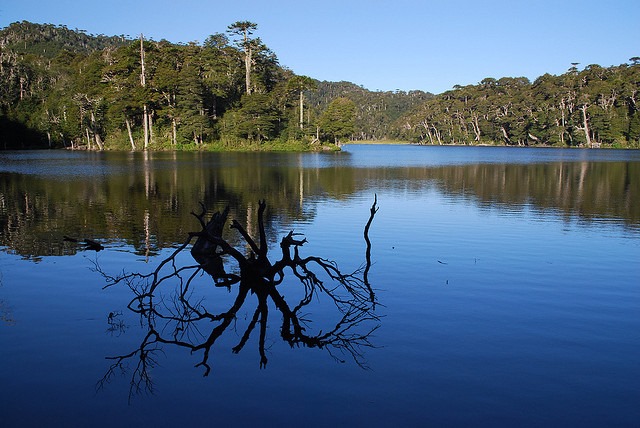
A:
x: 397, y: 142
x: 548, y: 146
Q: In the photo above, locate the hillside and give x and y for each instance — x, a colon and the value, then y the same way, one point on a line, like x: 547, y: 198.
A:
x: 64, y: 88
x: 376, y: 112
x: 593, y: 107
x: 49, y: 40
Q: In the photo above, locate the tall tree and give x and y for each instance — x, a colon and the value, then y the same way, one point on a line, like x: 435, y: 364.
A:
x: 244, y: 29
x: 146, y: 119
x: 301, y: 84
x: 221, y: 75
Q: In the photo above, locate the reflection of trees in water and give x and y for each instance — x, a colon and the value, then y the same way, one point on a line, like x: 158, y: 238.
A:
x: 585, y: 189
x: 173, y: 310
x: 147, y: 205
x: 36, y: 212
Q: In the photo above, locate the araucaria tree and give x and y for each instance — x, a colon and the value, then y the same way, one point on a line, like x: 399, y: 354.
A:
x: 244, y: 29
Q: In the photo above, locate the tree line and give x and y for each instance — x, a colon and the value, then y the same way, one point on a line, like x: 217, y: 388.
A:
x: 593, y: 107
x: 63, y: 88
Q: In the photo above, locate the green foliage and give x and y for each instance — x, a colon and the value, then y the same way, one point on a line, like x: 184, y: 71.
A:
x: 376, y: 112
x: 256, y: 119
x: 549, y: 111
x: 84, y: 93
x: 338, y: 120
x: 633, y: 133
x: 69, y: 89
x: 64, y: 88
x: 49, y: 40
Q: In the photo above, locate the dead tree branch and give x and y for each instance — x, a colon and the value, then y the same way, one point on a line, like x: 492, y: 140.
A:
x: 173, y: 312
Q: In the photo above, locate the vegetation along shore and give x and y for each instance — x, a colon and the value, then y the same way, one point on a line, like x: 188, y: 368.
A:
x: 63, y: 88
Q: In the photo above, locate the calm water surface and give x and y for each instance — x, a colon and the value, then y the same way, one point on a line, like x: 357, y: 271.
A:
x: 509, y: 283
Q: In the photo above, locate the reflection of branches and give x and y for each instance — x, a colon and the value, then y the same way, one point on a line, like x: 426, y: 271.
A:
x: 177, y: 316
x: 140, y: 378
x: 116, y: 326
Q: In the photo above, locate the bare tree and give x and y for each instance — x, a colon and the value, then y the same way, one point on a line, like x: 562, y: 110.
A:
x: 174, y: 313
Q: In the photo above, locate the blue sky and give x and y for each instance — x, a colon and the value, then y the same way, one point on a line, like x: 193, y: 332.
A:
x: 430, y: 45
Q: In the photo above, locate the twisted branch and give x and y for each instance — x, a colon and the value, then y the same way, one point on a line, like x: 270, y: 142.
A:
x: 185, y: 321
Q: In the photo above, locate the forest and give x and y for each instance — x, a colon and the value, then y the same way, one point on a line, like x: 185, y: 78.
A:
x: 63, y: 88
x: 594, y: 107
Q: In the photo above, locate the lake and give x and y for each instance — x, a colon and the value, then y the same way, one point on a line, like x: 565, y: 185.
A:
x: 507, y: 283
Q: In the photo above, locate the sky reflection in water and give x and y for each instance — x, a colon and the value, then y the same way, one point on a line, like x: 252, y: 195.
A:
x: 508, y: 300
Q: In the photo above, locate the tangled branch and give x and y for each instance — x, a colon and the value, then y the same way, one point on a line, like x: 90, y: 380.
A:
x: 172, y: 315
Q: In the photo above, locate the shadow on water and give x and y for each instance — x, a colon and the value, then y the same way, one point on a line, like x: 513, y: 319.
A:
x: 172, y: 309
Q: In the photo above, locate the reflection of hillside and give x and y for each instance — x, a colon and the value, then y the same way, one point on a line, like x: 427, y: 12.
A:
x: 147, y: 203
x: 585, y: 189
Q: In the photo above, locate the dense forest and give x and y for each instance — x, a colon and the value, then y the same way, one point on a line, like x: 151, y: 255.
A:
x: 595, y: 107
x: 63, y: 88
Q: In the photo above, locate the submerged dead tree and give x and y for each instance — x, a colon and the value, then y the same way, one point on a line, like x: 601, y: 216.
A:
x: 173, y: 308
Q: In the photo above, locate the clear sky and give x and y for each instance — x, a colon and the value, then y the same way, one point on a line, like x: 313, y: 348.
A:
x: 430, y: 45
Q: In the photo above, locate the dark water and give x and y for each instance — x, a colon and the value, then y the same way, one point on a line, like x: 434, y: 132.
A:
x: 509, y: 284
